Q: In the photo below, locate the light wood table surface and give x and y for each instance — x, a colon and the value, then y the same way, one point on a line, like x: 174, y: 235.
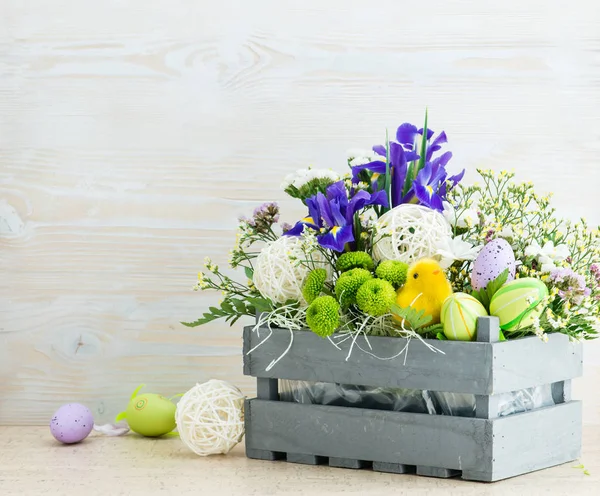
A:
x: 32, y: 463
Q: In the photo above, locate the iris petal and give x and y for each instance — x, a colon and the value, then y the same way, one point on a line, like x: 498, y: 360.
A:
x: 406, y: 134
x: 377, y: 166
x: 337, y: 238
x: 380, y: 150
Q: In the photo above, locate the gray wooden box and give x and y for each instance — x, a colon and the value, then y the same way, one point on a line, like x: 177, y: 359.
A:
x: 484, y: 448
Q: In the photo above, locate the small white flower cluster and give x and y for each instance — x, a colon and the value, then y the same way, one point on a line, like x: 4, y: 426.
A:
x: 362, y: 157
x: 304, y: 176
x: 467, y: 217
x: 547, y: 255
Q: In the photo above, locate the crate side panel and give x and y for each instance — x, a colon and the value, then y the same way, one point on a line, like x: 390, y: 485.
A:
x: 536, y: 440
x: 458, y: 367
x: 378, y: 436
x: 523, y: 363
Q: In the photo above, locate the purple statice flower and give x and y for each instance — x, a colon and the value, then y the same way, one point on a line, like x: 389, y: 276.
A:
x: 595, y: 271
x: 414, y: 180
x: 285, y: 227
x: 571, y: 286
x: 263, y: 217
x: 332, y: 214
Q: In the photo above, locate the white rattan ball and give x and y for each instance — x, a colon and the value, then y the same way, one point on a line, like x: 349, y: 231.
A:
x: 278, y: 271
x: 210, y: 417
x: 410, y: 232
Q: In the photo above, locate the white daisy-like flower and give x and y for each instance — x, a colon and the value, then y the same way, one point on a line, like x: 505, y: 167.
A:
x: 548, y: 254
x: 453, y: 249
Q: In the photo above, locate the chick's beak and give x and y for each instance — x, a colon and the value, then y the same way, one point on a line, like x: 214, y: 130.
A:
x: 436, y: 272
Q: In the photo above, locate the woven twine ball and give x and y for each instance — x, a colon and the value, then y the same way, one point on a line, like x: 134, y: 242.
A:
x: 278, y: 273
x: 410, y: 232
x: 210, y: 417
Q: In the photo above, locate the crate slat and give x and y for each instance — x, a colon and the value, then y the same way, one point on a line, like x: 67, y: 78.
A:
x: 482, y: 449
x: 475, y: 367
x: 373, y: 435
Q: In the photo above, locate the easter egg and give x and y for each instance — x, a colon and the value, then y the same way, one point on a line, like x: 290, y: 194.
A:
x: 150, y: 415
x: 71, y: 423
x: 517, y: 303
x: 459, y: 316
x: 492, y: 260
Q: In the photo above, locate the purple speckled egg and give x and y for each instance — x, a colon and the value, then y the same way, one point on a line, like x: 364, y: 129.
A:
x: 71, y: 423
x: 492, y: 260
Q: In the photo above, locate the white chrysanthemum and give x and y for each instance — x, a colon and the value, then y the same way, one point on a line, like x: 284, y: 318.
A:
x: 304, y: 176
x: 280, y: 270
x: 410, y: 232
x: 453, y: 249
x: 361, y: 157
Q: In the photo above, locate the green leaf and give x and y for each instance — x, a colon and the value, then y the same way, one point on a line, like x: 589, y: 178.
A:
x: 249, y: 272
x: 423, y: 151
x: 206, y: 318
x: 414, y: 318
x: 239, y: 305
x: 261, y: 304
x: 388, y: 174
x: 216, y: 311
x: 485, y: 295
x: 227, y: 307
x: 496, y: 284
x: 441, y: 336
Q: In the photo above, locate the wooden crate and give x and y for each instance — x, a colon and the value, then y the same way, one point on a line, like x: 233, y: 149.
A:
x: 484, y: 448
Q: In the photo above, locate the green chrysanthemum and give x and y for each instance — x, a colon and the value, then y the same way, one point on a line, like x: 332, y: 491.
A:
x: 376, y: 297
x: 323, y: 316
x: 348, y: 283
x: 354, y: 260
x: 313, y: 285
x: 392, y: 271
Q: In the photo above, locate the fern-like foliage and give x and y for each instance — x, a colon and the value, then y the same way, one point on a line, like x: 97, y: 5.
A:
x: 232, y: 309
x: 413, y: 319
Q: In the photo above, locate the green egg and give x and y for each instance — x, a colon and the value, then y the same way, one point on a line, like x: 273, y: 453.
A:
x: 149, y: 414
x: 517, y: 303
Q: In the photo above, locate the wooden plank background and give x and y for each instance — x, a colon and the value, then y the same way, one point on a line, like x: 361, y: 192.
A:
x: 133, y: 133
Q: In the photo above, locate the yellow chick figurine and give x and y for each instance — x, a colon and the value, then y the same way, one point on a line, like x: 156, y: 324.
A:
x: 426, y: 288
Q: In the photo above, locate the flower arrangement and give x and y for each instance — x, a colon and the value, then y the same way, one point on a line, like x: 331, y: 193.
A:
x: 398, y: 246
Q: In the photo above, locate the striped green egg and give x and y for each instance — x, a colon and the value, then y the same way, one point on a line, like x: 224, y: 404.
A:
x: 459, y: 316
x: 517, y: 303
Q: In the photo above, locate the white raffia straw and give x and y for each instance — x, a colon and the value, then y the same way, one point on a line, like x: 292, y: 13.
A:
x: 210, y: 417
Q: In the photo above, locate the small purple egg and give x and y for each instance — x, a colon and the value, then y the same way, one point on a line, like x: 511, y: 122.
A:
x: 492, y: 260
x: 71, y: 423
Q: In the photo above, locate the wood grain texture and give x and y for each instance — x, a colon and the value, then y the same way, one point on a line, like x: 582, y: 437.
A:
x: 484, y: 450
x: 132, y: 135
x: 32, y: 463
x: 480, y: 368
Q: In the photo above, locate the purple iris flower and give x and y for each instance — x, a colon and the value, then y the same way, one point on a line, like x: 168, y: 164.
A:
x: 414, y: 180
x: 430, y: 185
x: 399, y: 159
x: 332, y: 214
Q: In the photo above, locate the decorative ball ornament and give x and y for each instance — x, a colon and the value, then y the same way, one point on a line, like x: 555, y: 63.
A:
x: 410, y: 232
x: 210, y: 417
x: 279, y: 272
